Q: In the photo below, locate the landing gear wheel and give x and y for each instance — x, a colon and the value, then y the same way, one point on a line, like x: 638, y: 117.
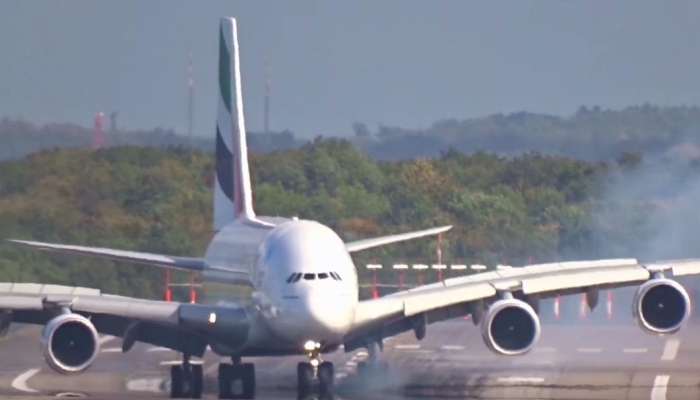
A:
x: 305, y: 379
x: 196, y: 381
x: 230, y: 374
x: 247, y: 374
x: 177, y: 378
x: 326, y: 376
x: 225, y: 381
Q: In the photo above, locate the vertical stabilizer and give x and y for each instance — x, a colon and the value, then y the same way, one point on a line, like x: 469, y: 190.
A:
x: 232, y: 193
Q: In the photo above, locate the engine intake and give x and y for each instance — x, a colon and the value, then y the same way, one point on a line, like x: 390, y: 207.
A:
x: 661, y: 306
x: 510, y: 327
x: 70, y: 343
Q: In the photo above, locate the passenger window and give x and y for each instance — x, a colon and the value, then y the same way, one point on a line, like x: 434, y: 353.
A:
x: 322, y: 275
x: 309, y: 277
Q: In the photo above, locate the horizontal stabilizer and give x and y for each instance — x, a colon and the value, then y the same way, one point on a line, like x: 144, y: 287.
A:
x: 365, y: 244
x: 159, y: 260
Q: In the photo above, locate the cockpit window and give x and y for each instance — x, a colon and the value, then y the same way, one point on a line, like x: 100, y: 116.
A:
x: 291, y: 277
x: 309, y: 277
x: 322, y: 275
x: 336, y: 276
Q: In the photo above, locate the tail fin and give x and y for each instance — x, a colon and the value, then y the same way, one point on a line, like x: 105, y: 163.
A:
x: 233, y: 194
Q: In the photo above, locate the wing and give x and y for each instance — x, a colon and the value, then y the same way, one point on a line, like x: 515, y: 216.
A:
x: 407, y: 310
x: 365, y: 244
x: 186, y: 328
x: 159, y: 260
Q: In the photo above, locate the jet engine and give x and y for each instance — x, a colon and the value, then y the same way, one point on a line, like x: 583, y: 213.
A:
x: 661, y: 306
x: 70, y: 343
x: 510, y: 327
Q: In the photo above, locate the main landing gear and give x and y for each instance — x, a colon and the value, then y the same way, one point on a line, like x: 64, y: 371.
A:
x: 236, y: 380
x: 186, y: 380
x: 307, y: 372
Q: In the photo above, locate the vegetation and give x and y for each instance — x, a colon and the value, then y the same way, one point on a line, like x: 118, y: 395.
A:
x: 505, y: 210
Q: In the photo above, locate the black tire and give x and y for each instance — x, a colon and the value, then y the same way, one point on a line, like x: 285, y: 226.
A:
x: 196, y: 381
x: 177, y: 378
x: 362, y: 369
x: 305, y: 379
x: 326, y: 379
x: 225, y: 381
x: 248, y: 377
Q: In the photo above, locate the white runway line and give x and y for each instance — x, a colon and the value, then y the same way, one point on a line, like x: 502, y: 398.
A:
x: 20, y: 382
x: 106, y: 338
x: 639, y: 350
x: 451, y: 347
x: 545, y: 350
x: 671, y: 349
x: 520, y: 379
x: 157, y: 349
x: 340, y: 375
x: 112, y: 350
x: 179, y: 362
x: 145, y: 385
x: 589, y: 350
x: 658, y: 392
x: 351, y: 363
x: 407, y: 347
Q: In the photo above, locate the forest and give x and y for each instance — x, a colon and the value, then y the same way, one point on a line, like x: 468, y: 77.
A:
x: 512, y: 210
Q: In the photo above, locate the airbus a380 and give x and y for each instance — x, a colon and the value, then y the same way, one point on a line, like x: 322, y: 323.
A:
x: 304, y: 288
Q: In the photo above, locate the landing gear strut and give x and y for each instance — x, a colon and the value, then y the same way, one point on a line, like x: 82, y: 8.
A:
x: 236, y: 380
x: 315, y: 368
x: 374, y: 367
x: 186, y: 380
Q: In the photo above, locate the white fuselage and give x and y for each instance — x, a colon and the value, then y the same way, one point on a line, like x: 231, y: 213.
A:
x: 305, y: 283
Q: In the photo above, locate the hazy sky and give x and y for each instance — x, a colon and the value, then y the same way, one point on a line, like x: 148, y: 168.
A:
x: 405, y: 63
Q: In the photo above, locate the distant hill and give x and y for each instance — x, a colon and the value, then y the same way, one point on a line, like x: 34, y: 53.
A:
x: 589, y: 134
x: 19, y: 138
x: 592, y: 134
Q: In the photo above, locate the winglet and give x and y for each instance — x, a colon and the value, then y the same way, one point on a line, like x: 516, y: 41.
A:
x: 233, y: 198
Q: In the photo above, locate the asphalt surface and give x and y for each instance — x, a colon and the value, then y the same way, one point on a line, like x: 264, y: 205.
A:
x: 577, y: 359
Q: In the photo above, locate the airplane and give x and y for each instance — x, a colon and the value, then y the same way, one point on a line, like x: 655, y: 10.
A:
x: 304, y: 288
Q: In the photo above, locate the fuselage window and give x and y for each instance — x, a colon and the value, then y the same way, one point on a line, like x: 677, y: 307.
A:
x: 309, y: 277
x: 322, y: 275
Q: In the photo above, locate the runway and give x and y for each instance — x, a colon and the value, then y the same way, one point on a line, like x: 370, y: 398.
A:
x: 574, y: 360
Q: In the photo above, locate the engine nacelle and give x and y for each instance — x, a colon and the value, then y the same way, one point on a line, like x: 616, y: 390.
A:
x: 661, y: 306
x: 70, y: 343
x: 510, y: 327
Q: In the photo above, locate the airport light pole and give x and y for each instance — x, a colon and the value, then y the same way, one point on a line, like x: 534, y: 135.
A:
x: 374, y: 268
x: 402, y: 273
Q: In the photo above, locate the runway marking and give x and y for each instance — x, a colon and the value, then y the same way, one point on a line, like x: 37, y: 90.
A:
x: 145, y: 385
x: 520, y: 379
x: 407, y: 347
x: 106, y: 338
x: 340, y: 375
x: 158, y: 349
x: 658, y: 392
x: 351, y: 363
x: 545, y: 350
x: 20, y: 382
x: 112, y: 350
x: 179, y: 362
x: 635, y: 350
x: 361, y: 353
x: 449, y: 347
x: 589, y: 350
x: 670, y: 350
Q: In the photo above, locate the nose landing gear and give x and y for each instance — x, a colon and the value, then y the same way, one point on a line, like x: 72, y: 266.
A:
x: 307, y: 372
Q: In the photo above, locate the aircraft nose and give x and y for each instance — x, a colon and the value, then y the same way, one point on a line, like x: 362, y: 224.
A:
x: 331, y: 314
